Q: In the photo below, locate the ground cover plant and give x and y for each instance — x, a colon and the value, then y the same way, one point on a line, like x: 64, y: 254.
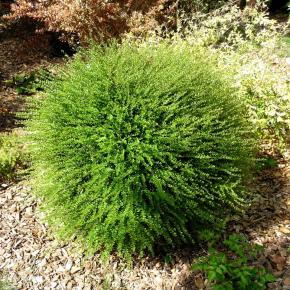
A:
x: 138, y: 145
x: 234, y: 268
x: 12, y: 155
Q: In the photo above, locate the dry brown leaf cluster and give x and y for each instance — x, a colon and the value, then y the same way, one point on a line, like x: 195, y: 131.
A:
x: 97, y: 19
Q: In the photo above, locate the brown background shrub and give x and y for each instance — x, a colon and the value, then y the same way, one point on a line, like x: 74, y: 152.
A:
x: 97, y: 19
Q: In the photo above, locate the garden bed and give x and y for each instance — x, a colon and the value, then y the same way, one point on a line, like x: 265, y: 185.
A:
x: 32, y: 258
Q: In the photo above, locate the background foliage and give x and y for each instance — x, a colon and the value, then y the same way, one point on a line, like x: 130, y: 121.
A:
x: 252, y: 47
x: 96, y: 19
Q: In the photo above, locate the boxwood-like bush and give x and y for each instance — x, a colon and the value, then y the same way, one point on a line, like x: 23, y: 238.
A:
x: 138, y: 146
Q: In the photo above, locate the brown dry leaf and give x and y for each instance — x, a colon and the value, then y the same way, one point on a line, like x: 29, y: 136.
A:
x: 199, y: 283
x: 279, y: 261
x: 285, y: 230
x: 286, y: 281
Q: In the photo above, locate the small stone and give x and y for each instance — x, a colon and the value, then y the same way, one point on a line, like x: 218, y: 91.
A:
x: 54, y: 285
x: 68, y: 265
x: 37, y: 279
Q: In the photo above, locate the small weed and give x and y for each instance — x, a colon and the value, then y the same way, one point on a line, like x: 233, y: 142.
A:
x: 4, y: 284
x: 106, y: 285
x: 265, y: 163
x: 29, y: 83
x: 168, y: 259
x: 234, y: 269
x: 12, y: 155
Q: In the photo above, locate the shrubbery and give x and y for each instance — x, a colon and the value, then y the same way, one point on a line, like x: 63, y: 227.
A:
x: 96, y: 19
x: 100, y: 20
x: 202, y: 5
x: 135, y: 146
x: 250, y: 44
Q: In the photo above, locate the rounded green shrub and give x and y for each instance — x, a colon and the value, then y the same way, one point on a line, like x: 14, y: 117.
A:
x: 135, y: 146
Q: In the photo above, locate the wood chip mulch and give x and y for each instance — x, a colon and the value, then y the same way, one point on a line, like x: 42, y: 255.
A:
x: 267, y: 221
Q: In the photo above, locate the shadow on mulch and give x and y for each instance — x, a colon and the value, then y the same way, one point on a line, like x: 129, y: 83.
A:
x: 269, y: 208
x: 22, y: 50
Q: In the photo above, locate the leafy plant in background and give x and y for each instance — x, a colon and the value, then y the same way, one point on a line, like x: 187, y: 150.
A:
x: 200, y: 5
x: 254, y: 49
x: 234, y: 268
x: 81, y: 20
x: 139, y: 145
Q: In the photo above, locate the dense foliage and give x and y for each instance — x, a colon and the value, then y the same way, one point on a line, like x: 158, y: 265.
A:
x: 253, y: 48
x: 80, y: 20
x: 134, y: 146
x: 99, y: 19
x: 202, y: 5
